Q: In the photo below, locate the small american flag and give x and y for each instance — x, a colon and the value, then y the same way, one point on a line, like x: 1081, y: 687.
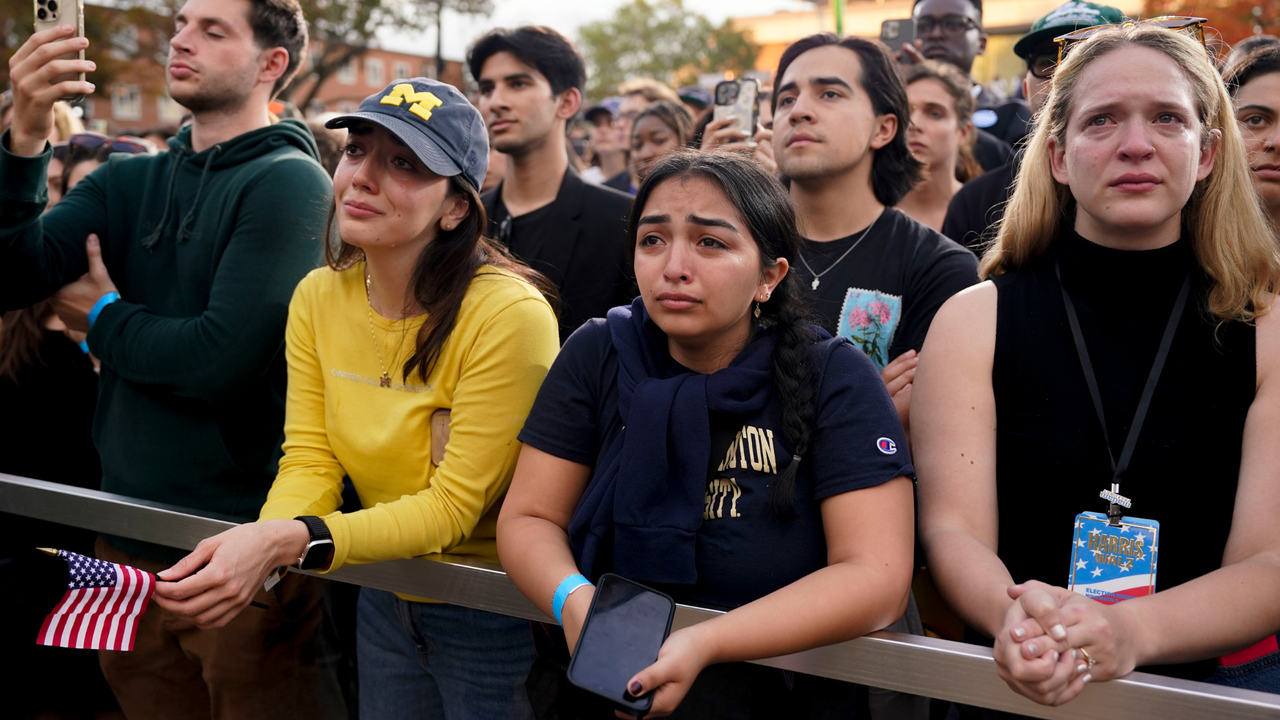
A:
x: 101, y: 606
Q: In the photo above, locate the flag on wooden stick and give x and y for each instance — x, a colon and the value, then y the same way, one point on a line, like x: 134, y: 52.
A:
x: 101, y: 607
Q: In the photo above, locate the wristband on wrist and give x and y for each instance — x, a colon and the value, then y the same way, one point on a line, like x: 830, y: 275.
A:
x: 103, y: 301
x: 84, y: 346
x: 566, y: 588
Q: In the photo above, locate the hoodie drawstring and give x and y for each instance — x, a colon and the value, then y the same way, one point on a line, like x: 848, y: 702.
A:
x: 151, y: 240
x: 184, y: 230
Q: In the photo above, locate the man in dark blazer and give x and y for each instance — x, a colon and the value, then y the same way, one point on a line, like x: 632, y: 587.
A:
x: 573, y: 232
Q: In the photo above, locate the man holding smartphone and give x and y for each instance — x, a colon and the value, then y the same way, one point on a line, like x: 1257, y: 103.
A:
x: 180, y: 266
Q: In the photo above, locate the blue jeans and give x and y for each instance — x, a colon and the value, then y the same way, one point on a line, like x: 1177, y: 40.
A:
x: 440, y: 662
x: 1261, y: 674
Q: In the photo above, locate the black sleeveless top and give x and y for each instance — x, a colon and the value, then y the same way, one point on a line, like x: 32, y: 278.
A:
x: 1051, y: 455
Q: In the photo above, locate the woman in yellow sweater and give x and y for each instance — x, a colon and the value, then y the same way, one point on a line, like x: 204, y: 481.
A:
x: 414, y: 358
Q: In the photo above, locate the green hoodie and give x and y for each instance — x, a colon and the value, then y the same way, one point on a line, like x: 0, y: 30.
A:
x: 206, y: 249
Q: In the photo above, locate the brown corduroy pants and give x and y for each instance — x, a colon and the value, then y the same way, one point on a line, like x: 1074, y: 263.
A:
x: 260, y: 665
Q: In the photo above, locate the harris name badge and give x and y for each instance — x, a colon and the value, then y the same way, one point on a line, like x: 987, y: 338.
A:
x: 1111, y: 563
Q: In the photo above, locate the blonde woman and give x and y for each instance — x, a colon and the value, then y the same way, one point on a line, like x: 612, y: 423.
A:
x: 1133, y: 236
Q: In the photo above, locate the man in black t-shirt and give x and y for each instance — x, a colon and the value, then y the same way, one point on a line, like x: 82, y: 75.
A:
x: 839, y: 137
x: 878, y: 276
x: 571, y: 231
x: 976, y: 210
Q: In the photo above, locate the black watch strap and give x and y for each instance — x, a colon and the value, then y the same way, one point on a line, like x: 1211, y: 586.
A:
x: 320, y: 545
x: 316, y: 526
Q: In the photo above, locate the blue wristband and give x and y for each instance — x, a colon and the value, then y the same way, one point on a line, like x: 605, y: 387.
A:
x: 567, y: 586
x: 103, y: 301
x: 84, y: 346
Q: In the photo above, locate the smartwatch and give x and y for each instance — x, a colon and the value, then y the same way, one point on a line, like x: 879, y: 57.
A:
x: 316, y: 553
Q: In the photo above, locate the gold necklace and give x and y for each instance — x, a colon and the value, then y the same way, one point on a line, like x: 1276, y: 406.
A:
x: 385, y: 380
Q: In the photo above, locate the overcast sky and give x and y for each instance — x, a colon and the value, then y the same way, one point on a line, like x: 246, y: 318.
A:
x: 563, y: 15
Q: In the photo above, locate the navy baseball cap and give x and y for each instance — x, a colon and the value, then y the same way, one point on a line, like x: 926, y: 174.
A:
x: 696, y: 96
x: 434, y: 120
x: 608, y: 105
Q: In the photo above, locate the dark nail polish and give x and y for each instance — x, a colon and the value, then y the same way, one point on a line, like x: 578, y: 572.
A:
x: 635, y: 687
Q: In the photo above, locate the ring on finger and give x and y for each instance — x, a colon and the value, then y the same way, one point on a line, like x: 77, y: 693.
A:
x: 1087, y: 659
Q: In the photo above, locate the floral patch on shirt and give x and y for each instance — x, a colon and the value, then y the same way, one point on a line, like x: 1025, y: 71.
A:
x: 869, y: 318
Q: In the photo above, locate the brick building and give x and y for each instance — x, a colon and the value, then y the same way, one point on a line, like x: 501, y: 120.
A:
x: 369, y: 73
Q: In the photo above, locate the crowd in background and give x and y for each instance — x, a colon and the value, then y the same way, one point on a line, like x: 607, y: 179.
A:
x: 755, y: 369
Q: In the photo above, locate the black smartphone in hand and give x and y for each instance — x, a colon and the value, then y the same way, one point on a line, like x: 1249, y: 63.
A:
x: 624, y: 630
x: 896, y: 33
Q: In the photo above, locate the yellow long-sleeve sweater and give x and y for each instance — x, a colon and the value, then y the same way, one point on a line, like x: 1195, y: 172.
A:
x: 339, y: 420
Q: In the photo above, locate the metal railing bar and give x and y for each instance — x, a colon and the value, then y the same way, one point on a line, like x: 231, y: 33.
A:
x: 918, y: 665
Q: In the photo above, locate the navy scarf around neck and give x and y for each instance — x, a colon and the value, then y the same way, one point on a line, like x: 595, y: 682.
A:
x: 649, y: 486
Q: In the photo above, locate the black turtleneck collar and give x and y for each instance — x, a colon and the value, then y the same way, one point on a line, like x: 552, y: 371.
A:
x: 1088, y: 266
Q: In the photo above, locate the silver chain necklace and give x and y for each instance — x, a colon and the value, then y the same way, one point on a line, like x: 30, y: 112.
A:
x: 817, y: 276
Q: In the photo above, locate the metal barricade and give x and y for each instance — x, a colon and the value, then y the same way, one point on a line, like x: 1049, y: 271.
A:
x: 918, y: 665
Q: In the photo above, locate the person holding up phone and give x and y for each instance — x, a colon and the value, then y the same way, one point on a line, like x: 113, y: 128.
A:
x: 180, y: 266
x: 709, y: 442
x: 728, y: 129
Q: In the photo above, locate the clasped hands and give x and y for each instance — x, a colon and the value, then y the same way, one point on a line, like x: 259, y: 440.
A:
x: 1053, y: 642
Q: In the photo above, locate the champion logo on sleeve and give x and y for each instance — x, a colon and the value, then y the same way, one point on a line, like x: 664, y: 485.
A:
x: 887, y: 446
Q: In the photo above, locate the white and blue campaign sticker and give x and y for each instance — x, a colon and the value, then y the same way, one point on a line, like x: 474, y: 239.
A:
x: 886, y: 446
x: 1112, y: 563
x: 984, y: 118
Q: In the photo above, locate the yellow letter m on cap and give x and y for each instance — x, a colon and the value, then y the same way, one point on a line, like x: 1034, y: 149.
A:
x: 422, y: 102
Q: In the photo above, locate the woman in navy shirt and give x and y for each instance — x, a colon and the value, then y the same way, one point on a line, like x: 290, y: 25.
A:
x: 709, y: 442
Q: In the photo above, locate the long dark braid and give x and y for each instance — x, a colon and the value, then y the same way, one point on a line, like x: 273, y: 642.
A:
x: 787, y: 314
x: 766, y: 208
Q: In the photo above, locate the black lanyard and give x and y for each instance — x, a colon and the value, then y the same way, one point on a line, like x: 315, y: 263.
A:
x: 1118, y: 468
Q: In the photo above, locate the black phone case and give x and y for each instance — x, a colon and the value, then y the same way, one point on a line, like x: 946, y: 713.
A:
x: 896, y: 33
x: 645, y: 702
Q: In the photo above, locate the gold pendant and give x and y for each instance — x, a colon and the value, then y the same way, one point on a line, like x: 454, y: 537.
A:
x: 385, y: 381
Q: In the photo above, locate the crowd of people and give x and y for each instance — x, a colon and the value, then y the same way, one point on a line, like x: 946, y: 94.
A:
x: 753, y: 370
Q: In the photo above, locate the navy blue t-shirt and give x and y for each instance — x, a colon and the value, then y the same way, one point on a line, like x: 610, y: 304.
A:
x: 744, y: 551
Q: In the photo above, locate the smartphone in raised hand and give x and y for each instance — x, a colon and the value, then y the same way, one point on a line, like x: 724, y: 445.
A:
x: 623, y: 632
x: 896, y: 33
x: 51, y: 14
x: 739, y: 99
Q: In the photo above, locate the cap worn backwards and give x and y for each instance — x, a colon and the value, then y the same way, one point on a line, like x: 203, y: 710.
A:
x: 434, y: 120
